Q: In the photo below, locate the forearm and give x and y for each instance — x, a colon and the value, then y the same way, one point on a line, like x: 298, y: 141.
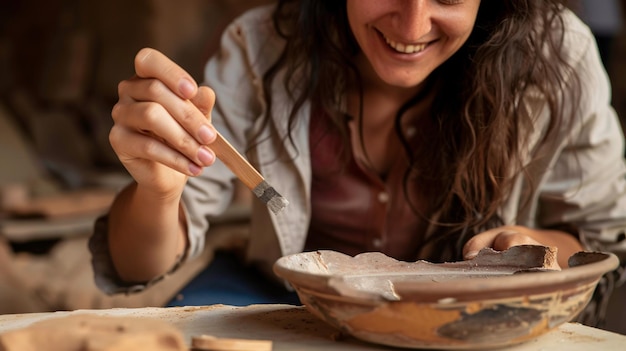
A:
x: 146, y: 234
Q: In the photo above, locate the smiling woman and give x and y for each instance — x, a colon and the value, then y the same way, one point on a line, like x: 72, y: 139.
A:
x: 421, y: 129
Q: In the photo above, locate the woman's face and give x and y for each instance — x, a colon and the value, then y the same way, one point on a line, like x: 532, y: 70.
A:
x: 406, y: 40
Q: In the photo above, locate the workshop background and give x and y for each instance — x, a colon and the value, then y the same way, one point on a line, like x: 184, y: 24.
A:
x: 60, y: 63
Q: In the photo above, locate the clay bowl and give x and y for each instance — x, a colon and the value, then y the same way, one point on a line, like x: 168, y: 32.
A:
x: 495, y: 300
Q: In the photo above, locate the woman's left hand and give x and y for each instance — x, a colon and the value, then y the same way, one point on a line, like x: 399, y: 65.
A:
x: 502, y: 238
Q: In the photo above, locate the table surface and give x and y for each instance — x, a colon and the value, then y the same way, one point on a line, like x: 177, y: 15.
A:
x: 294, y: 328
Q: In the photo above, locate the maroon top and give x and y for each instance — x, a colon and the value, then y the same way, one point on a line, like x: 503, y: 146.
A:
x: 354, y: 210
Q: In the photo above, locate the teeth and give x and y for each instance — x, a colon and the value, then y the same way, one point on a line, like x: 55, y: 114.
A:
x: 405, y: 48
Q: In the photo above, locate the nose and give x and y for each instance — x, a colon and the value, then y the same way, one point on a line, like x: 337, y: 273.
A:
x: 414, y: 19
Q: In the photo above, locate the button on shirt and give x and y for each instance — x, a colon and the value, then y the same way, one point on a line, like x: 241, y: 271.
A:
x: 353, y: 209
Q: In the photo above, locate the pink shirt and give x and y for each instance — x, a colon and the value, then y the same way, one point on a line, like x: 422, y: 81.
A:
x: 353, y: 209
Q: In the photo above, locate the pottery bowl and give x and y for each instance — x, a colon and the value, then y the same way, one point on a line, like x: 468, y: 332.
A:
x: 495, y: 300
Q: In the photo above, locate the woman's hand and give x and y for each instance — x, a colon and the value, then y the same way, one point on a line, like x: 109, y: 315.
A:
x: 162, y: 125
x: 160, y: 132
x: 502, y: 238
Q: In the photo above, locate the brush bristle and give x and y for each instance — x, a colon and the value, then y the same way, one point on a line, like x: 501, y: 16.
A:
x: 270, y: 196
x: 277, y: 203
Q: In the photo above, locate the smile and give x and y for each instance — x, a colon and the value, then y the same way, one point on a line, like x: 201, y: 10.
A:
x: 405, y: 48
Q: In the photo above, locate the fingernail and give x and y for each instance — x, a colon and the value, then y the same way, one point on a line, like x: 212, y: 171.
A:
x: 205, y: 156
x: 194, y: 169
x: 187, y: 88
x: 206, y: 134
x: 471, y: 254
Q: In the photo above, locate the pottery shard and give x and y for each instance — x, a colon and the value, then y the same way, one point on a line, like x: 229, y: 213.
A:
x: 522, y: 257
x: 94, y: 333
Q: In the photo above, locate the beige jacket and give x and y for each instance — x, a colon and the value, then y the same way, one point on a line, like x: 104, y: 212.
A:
x: 580, y: 178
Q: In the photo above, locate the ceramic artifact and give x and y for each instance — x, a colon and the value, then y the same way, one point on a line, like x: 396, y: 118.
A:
x: 494, y: 300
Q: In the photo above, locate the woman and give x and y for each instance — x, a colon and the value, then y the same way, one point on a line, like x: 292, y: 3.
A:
x: 423, y: 129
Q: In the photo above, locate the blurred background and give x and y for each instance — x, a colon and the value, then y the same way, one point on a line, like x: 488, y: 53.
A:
x: 60, y: 63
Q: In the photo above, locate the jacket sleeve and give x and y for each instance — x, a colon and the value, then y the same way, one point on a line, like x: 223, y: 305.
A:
x: 586, y: 186
x: 235, y: 74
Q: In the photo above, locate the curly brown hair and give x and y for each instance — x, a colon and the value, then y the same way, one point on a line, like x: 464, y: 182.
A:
x: 480, y: 128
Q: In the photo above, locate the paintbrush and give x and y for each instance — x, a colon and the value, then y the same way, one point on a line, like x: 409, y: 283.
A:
x: 248, y: 175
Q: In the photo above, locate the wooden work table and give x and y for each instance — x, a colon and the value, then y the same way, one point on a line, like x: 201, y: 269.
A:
x: 294, y: 328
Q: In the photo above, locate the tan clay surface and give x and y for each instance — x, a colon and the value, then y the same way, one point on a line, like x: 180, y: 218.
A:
x: 294, y: 328
x: 94, y: 333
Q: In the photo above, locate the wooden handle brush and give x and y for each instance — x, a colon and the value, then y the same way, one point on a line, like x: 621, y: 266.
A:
x: 248, y: 174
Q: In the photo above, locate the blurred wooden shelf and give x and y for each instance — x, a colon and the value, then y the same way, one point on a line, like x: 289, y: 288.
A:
x: 23, y: 230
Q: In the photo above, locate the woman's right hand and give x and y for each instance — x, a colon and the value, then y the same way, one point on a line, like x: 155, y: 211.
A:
x: 162, y: 125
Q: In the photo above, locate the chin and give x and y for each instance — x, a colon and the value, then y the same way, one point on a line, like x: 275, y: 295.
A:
x: 403, y: 78
x: 406, y: 82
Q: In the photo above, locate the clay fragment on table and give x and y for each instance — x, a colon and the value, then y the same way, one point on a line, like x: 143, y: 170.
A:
x: 211, y: 343
x: 94, y: 333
